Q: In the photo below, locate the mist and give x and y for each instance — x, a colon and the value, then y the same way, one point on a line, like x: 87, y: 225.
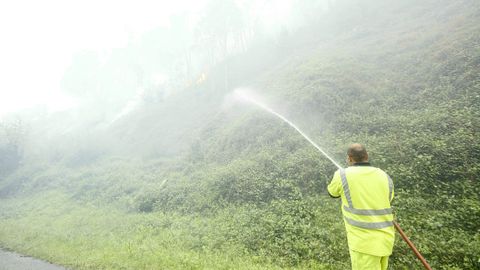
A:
x: 211, y: 127
x: 113, y: 68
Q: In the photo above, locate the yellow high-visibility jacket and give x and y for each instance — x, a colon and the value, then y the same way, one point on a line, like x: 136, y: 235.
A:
x: 366, y: 194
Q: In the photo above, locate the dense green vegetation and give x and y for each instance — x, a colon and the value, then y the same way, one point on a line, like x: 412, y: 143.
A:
x: 244, y: 190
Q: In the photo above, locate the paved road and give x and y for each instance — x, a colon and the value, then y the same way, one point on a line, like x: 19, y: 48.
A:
x: 14, y: 261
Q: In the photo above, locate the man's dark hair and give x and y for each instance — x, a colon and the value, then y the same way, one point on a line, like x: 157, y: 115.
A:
x: 358, y: 152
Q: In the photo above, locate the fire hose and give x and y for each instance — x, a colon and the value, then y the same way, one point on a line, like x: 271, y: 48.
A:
x: 412, y: 246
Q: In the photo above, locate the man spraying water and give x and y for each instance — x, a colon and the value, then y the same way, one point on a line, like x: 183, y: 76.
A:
x: 366, y: 194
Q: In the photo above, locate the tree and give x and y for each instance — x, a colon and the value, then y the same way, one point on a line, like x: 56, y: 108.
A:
x: 220, y: 32
x: 12, y: 134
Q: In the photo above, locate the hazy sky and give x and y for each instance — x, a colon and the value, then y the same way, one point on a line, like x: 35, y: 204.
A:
x: 39, y: 39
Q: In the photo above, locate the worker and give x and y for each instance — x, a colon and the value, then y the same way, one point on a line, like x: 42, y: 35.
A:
x: 366, y: 193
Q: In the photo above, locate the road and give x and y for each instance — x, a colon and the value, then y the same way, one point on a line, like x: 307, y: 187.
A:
x: 14, y: 261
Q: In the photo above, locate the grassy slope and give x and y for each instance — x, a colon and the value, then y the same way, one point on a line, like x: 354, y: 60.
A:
x: 82, y: 236
x: 247, y: 193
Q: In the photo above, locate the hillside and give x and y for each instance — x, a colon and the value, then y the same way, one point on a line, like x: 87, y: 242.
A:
x: 197, y: 182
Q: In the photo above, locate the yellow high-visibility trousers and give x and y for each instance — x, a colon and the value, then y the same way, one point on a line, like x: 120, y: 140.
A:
x: 362, y: 261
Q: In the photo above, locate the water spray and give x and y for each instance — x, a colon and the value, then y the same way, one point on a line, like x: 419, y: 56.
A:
x: 241, y: 94
x: 244, y: 96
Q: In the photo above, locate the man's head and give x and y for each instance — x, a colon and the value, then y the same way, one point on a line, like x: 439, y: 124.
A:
x: 356, y: 153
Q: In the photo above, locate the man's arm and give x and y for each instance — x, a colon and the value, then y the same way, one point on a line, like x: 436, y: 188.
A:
x: 335, y: 187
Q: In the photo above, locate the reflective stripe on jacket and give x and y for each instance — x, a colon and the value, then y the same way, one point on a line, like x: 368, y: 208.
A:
x: 374, y: 214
